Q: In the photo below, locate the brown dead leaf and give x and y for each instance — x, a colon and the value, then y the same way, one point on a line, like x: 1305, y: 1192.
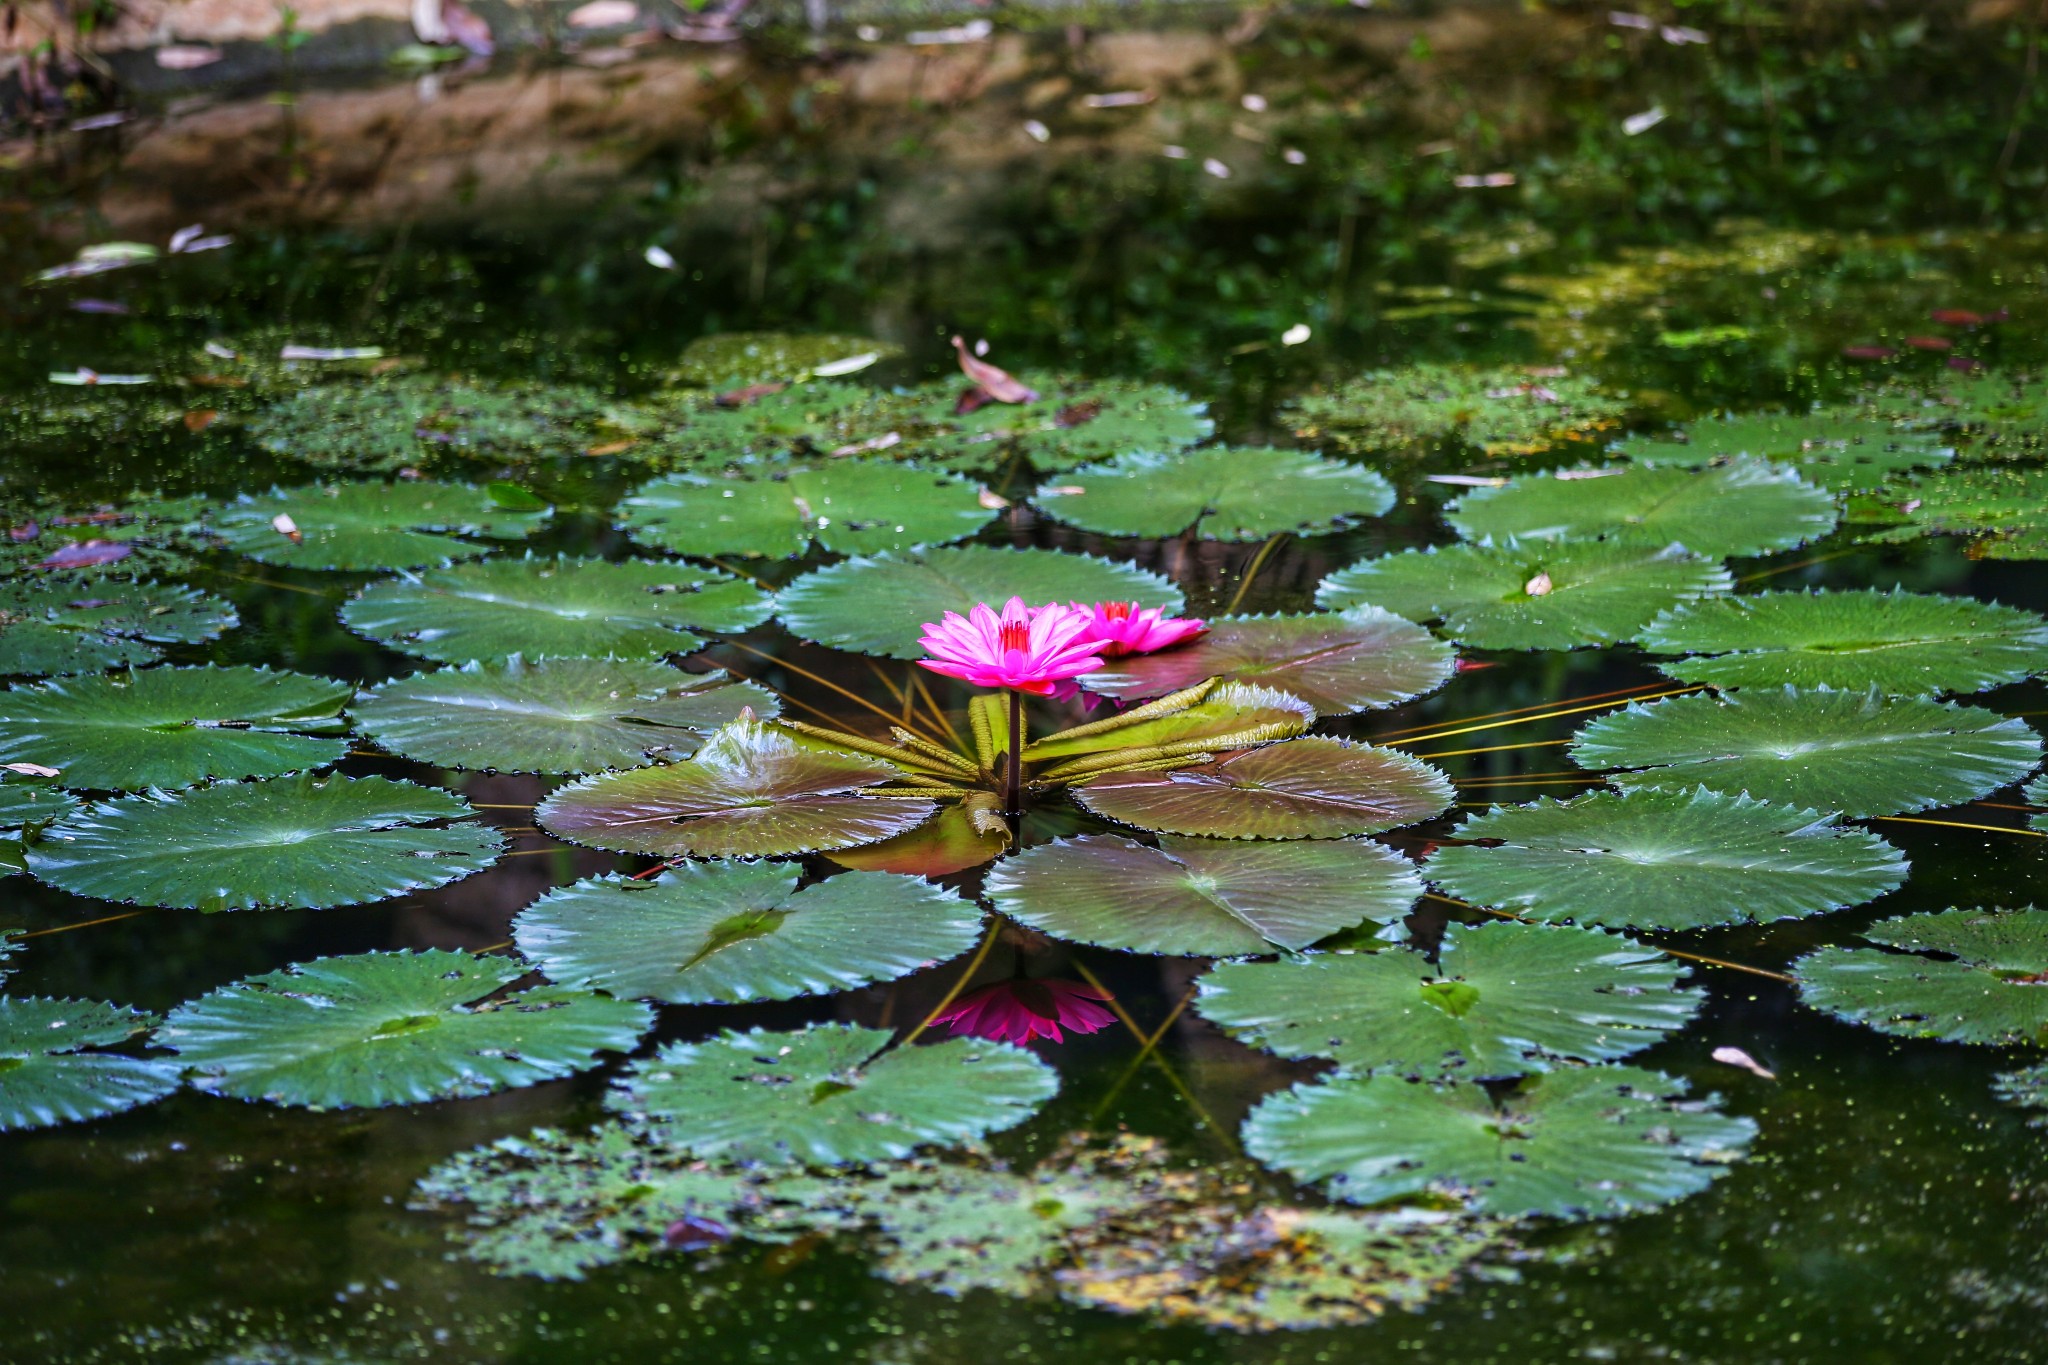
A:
x: 199, y: 419
x: 997, y: 383
x: 1539, y: 586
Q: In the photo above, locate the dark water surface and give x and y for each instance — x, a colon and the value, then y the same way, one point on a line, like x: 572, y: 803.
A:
x: 1825, y: 176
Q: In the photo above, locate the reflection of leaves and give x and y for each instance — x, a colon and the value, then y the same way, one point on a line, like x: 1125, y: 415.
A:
x: 1664, y: 860
x: 51, y: 1074
x: 1235, y: 494
x: 734, y: 931
x: 393, y: 1028
x: 1584, y: 1142
x: 1502, y: 411
x: 1908, y: 644
x: 1991, y: 988
x: 370, y: 525
x: 1857, y: 753
x: 821, y: 1096
x: 1743, y: 507
x: 84, y: 625
x: 1202, y: 897
x: 305, y: 842
x: 1838, y: 449
x: 1592, y: 594
x: 846, y: 508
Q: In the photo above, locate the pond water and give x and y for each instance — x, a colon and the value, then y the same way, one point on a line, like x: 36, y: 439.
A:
x: 1453, y: 248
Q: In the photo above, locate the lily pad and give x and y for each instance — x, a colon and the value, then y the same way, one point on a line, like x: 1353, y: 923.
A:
x: 704, y: 933
x: 1861, y: 754
x: 1659, y: 859
x: 382, y: 427
x: 1075, y: 423
x: 1743, y: 507
x: 2004, y: 509
x: 172, y: 727
x: 879, y: 605
x: 1314, y: 788
x: 1338, y: 662
x: 370, y: 525
x: 1531, y: 595
x: 555, y: 716
x: 1907, y: 644
x: 1585, y: 1142
x: 750, y: 791
x: 1990, y: 984
x: 380, y: 1029
x: 2027, y: 1088
x: 1503, y: 999
x: 803, y: 421
x: 1842, y: 449
x: 2037, y: 795
x: 555, y: 608
x: 823, y: 1097
x: 1225, y: 492
x: 847, y: 508
x: 82, y: 626
x: 51, y: 1071
x: 27, y: 804
x: 301, y: 842
x: 727, y: 360
x: 1202, y: 897
x: 1502, y: 411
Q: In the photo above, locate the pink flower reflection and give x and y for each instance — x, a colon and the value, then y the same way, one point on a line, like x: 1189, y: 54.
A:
x: 1019, y: 1010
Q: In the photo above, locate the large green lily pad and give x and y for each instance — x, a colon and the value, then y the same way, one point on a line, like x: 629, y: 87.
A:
x: 1743, y: 507
x: 1202, y: 897
x: 1861, y: 754
x: 1338, y: 662
x: 1313, y: 788
x: 704, y: 933
x: 1530, y: 595
x: 879, y: 605
x: 1658, y: 859
x: 823, y: 1097
x: 52, y: 1072
x: 1586, y: 1142
x: 750, y: 791
x: 393, y: 1028
x: 1842, y: 449
x: 301, y: 842
x: 847, y: 508
x: 555, y: 716
x: 1503, y: 999
x: 74, y: 625
x: 555, y: 608
x: 172, y: 727
x: 371, y: 525
x: 1224, y: 492
x: 1989, y: 985
x: 1910, y: 644
x: 1502, y: 411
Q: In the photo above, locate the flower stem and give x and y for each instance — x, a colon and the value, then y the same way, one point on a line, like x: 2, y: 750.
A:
x: 1013, y: 787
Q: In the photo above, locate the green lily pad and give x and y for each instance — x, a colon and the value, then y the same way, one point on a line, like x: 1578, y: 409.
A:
x: 1314, y: 788
x: 2037, y: 795
x: 1743, y: 507
x: 1202, y: 897
x: 148, y: 536
x: 1861, y: 754
x: 2003, y: 508
x: 555, y: 608
x: 1585, y: 1142
x: 1074, y: 423
x: 1657, y: 859
x: 1338, y: 662
x: 1502, y: 411
x: 371, y: 525
x: 879, y: 605
x: 704, y: 933
x: 823, y: 1097
x: 1989, y: 986
x: 69, y: 625
x: 1906, y: 644
x: 555, y: 716
x: 727, y: 360
x: 2027, y: 1088
x: 1532, y: 595
x: 27, y: 804
x: 379, y: 1029
x: 1226, y: 492
x: 750, y: 791
x: 1839, y: 449
x: 173, y: 727
x: 1503, y: 999
x: 803, y: 421
x: 51, y: 1071
x: 382, y: 427
x: 301, y: 842
x: 847, y: 508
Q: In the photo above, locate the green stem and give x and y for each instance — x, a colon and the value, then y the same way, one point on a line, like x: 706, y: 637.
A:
x: 1013, y: 787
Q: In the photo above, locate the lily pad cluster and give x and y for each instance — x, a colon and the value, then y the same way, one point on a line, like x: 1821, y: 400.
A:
x: 1502, y: 411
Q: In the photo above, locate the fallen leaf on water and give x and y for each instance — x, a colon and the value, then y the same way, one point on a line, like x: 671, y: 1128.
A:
x: 996, y: 383
x: 659, y: 258
x: 1868, y: 352
x: 1679, y: 37
x: 1063, y: 490
x: 199, y: 419
x: 85, y: 554
x: 972, y: 32
x: 994, y: 502
x: 1929, y: 343
x: 1539, y: 586
x: 1036, y: 131
x: 1174, y: 153
x: 1591, y: 473
x: 469, y: 30
x: 1118, y: 99
x: 1964, y: 363
x: 28, y: 530
x: 286, y: 527
x: 752, y: 393
x: 330, y: 353
x: 1296, y: 334
x: 1497, y: 180
x: 107, y: 306
x: 1252, y: 104
x: 1467, y: 480
x: 187, y: 57
x: 1294, y: 156
x: 1735, y: 1056
x: 220, y: 352
x: 882, y: 442
x: 1622, y: 19
x: 604, y: 14
x: 1216, y: 168
x: 1643, y: 122
x: 32, y: 769
x: 1078, y: 414
x: 1963, y: 317
x: 84, y: 376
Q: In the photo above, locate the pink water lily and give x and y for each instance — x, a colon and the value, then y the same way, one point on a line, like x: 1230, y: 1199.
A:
x: 1026, y: 649
x: 1020, y: 1010
x: 1126, y: 628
